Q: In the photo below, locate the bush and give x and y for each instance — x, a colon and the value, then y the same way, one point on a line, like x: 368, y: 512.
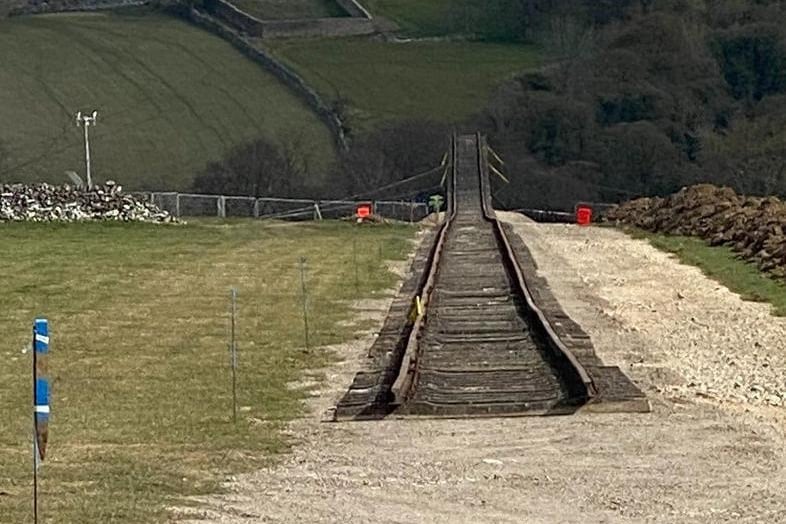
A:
x: 258, y: 168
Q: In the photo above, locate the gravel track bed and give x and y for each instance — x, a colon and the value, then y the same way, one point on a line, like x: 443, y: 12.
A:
x: 711, y: 451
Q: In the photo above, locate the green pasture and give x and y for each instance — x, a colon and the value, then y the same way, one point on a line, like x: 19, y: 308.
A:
x: 141, y: 405
x: 170, y: 96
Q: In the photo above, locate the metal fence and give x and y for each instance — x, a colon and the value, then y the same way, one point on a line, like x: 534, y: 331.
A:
x: 222, y: 206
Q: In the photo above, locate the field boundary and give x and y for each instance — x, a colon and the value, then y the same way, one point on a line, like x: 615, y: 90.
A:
x: 358, y: 22
x: 94, y: 5
x: 225, y: 206
x: 285, y: 74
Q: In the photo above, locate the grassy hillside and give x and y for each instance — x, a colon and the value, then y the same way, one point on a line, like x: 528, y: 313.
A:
x: 142, y: 403
x: 382, y: 81
x: 283, y: 9
x: 171, y: 97
x: 416, y: 17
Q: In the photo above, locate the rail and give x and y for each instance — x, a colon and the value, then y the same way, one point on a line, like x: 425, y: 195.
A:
x: 580, y: 384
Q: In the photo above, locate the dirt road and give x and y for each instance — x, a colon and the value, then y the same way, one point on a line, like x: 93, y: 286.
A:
x: 711, y: 451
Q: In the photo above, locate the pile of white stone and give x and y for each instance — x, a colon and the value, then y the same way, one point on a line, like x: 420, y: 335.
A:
x: 48, y: 203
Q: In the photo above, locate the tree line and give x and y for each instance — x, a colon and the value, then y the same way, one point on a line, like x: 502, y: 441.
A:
x: 639, y: 97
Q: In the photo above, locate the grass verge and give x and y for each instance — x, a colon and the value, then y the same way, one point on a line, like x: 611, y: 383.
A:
x: 384, y: 81
x: 141, y: 409
x: 722, y: 265
x: 171, y: 98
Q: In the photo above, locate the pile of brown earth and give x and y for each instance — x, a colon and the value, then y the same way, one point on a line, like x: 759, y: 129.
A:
x: 751, y: 226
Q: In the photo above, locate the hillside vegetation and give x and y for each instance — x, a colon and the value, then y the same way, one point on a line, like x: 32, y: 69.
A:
x: 171, y: 98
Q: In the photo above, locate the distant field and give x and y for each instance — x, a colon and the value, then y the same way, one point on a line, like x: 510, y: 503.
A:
x: 416, y: 17
x: 382, y: 81
x: 282, y: 9
x: 141, y: 406
x: 171, y: 97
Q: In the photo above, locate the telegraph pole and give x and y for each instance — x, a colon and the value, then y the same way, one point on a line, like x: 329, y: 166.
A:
x: 86, y: 121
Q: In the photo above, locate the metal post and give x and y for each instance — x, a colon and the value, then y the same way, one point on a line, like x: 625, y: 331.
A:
x: 86, y: 121
x: 87, y: 156
x: 256, y: 208
x: 222, y: 206
x: 355, y: 262
x: 177, y: 205
x: 304, y: 291
x: 233, y: 351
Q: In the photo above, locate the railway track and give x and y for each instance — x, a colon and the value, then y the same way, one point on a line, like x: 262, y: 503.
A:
x: 480, y: 346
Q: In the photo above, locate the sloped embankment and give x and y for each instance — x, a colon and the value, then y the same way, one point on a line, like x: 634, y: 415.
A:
x: 751, y: 226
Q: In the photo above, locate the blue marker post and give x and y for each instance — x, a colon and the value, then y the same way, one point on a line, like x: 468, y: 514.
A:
x: 40, y: 401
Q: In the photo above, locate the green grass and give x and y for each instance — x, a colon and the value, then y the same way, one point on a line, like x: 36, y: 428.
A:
x: 171, y: 98
x: 416, y: 17
x: 289, y: 9
x: 141, y: 409
x: 721, y: 264
x: 381, y: 81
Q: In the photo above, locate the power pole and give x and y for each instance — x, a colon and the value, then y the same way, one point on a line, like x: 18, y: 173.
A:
x: 86, y: 121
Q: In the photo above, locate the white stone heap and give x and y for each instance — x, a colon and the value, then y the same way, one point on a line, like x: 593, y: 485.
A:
x: 48, y: 203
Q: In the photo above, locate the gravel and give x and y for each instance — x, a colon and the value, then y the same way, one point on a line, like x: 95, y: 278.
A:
x: 709, y: 452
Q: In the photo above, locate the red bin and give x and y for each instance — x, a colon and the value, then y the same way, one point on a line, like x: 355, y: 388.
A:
x: 363, y: 211
x: 583, y: 215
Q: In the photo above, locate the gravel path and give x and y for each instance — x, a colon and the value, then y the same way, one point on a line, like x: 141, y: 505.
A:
x: 711, y: 451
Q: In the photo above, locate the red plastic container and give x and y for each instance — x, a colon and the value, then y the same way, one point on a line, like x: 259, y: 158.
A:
x: 363, y: 211
x: 583, y: 215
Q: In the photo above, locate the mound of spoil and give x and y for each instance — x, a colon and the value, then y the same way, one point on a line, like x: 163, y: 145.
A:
x: 751, y: 226
x: 47, y: 203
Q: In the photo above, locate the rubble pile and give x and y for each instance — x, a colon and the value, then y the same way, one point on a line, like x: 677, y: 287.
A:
x: 48, y: 203
x: 751, y: 226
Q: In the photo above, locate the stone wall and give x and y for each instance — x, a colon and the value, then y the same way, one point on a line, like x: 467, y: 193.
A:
x: 299, y: 28
x: 286, y: 75
x: 354, y: 8
x: 31, y: 7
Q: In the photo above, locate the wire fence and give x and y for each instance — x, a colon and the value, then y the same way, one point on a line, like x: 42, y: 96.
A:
x: 223, y: 206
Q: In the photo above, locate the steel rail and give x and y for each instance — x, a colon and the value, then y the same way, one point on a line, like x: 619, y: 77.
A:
x: 408, y: 371
x: 553, y: 341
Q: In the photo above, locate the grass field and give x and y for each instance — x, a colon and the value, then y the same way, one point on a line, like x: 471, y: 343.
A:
x: 381, y: 81
x: 286, y: 9
x: 141, y: 408
x: 721, y: 264
x: 416, y: 17
x: 171, y: 97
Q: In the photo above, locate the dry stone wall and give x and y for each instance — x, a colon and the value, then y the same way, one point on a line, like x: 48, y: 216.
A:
x: 297, y: 28
x: 54, y: 6
x: 751, y: 226
x: 277, y: 68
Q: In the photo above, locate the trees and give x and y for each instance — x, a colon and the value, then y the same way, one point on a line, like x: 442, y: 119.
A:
x: 258, y: 168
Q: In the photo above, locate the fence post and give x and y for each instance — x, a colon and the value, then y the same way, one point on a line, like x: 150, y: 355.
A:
x: 256, y: 208
x: 317, y: 211
x: 221, y: 205
x: 411, y: 211
x: 177, y: 205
